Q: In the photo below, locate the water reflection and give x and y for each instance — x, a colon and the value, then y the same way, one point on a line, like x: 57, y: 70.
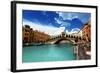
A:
x: 55, y: 52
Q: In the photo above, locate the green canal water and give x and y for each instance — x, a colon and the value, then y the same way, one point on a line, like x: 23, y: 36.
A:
x: 48, y: 53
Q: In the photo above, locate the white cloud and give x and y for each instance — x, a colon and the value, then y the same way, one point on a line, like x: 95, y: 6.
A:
x: 68, y: 16
x: 53, y: 31
x: 71, y: 16
x: 75, y: 17
x: 74, y: 30
x: 58, y: 21
x: 46, y: 29
x: 65, y: 24
x: 60, y: 13
x: 68, y: 32
x: 62, y: 29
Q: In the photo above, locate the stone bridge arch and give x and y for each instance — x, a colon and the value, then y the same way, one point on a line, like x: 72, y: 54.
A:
x: 66, y: 39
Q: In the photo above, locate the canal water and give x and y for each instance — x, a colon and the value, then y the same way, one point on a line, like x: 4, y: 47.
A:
x: 48, y: 53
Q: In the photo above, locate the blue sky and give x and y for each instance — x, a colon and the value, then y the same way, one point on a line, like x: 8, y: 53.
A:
x: 65, y: 21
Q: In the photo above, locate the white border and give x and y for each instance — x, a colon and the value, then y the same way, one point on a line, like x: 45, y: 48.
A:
x: 37, y: 65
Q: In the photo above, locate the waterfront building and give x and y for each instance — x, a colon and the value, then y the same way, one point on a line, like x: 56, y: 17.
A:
x: 86, y: 32
x: 26, y: 34
x: 29, y: 35
x: 40, y: 36
x: 31, y: 38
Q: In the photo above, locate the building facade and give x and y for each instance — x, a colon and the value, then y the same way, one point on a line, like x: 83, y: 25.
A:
x: 86, y: 32
x: 26, y: 34
x: 29, y: 35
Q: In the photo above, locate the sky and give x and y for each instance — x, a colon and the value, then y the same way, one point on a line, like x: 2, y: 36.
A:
x: 55, y: 22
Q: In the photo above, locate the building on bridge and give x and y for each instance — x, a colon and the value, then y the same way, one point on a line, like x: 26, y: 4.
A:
x: 63, y: 34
